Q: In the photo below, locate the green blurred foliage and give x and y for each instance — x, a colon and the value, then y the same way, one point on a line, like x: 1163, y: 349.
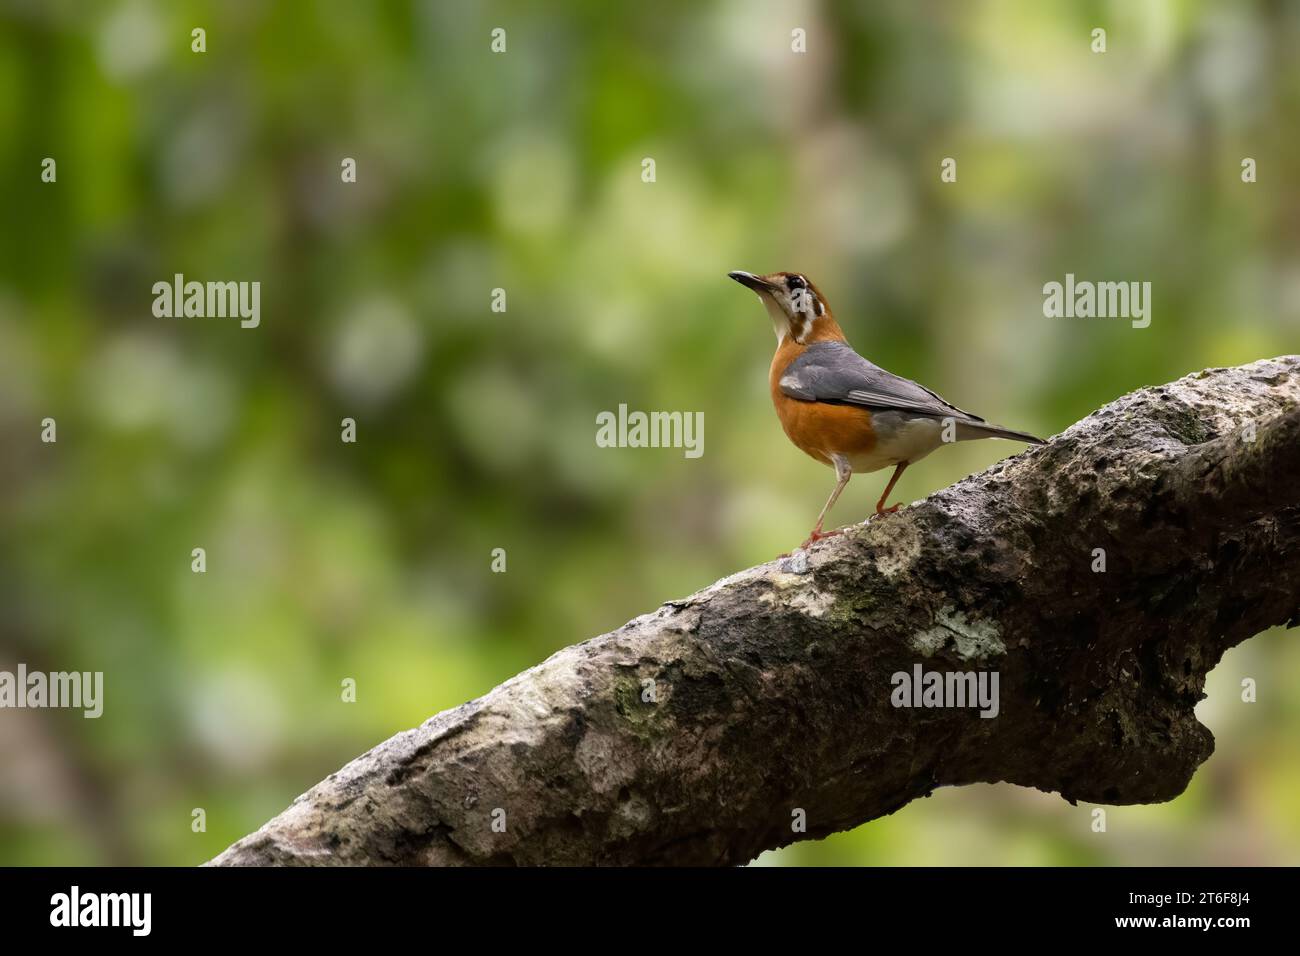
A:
x: 476, y: 429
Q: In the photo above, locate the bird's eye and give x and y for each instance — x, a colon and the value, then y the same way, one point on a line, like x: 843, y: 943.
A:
x: 794, y: 282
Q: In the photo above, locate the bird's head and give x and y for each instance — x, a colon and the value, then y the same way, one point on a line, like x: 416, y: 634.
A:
x: 797, y: 309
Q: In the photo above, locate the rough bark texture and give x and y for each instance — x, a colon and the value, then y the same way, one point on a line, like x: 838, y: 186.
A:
x: 774, y: 685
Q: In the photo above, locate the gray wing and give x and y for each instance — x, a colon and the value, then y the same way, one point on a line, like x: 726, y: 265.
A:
x: 834, y: 373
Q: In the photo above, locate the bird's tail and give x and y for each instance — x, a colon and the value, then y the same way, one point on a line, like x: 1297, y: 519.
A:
x: 985, y: 430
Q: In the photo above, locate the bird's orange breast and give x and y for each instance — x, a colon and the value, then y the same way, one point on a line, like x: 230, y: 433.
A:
x: 816, y: 428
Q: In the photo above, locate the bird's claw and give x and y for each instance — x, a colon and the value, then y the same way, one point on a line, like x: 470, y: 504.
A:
x: 819, y: 535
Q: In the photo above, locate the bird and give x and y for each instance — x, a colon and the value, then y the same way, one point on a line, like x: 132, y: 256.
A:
x: 840, y: 408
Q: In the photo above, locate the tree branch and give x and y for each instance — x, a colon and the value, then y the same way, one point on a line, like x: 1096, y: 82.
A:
x: 773, y: 687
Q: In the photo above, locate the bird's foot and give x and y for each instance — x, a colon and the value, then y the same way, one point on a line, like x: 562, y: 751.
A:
x: 888, y: 511
x: 819, y: 535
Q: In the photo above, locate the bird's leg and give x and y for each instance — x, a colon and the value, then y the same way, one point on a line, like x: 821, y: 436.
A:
x: 843, y: 472
x: 880, y: 505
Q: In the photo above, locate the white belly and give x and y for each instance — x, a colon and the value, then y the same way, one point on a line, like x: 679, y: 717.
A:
x: 899, y: 438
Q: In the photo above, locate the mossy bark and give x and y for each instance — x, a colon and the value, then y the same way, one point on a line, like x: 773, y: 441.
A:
x: 772, y: 688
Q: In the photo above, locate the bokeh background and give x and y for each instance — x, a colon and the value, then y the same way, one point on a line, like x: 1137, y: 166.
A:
x: 476, y: 429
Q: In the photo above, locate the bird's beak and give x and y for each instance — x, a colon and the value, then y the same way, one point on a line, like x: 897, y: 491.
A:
x: 751, y: 281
